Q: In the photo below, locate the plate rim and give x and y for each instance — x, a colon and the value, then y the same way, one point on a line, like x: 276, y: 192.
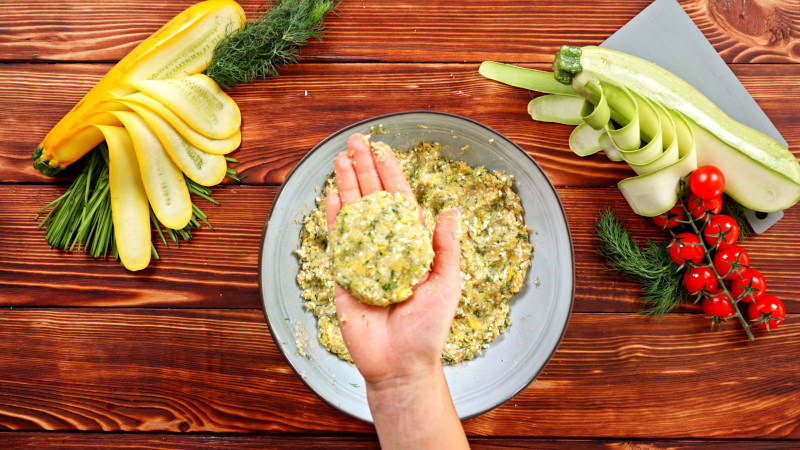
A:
x: 389, y: 115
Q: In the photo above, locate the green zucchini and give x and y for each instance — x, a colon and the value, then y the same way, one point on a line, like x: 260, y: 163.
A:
x: 760, y: 173
x: 531, y: 79
x: 557, y: 108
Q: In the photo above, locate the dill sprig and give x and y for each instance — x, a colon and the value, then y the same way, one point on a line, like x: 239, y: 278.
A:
x: 268, y: 42
x: 651, y: 266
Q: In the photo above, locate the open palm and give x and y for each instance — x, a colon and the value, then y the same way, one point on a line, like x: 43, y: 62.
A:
x: 394, y: 341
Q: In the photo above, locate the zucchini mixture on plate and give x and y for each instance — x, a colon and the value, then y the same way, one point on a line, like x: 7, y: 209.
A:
x: 495, y: 249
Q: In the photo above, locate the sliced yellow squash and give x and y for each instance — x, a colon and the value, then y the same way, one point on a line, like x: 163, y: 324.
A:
x: 129, y: 208
x: 163, y: 181
x: 183, y: 46
x: 216, y: 146
x: 198, y: 101
x: 206, y: 169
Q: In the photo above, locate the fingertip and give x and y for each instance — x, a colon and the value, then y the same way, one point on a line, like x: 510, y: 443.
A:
x: 357, y: 141
x: 349, y: 191
x: 342, y: 161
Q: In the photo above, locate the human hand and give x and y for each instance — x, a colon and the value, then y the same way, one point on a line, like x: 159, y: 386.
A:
x: 398, y: 348
x: 404, y: 340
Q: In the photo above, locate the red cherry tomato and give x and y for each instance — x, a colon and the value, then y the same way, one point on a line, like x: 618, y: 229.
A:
x: 718, y: 305
x: 699, y: 279
x: 750, y: 286
x: 686, y: 247
x: 731, y: 261
x: 670, y: 218
x: 767, y: 306
x: 699, y: 207
x: 721, y: 231
x: 707, y: 182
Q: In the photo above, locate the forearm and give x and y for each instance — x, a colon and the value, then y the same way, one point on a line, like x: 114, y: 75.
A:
x: 416, y: 413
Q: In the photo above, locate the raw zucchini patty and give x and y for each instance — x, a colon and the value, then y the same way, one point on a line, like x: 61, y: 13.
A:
x: 380, y: 250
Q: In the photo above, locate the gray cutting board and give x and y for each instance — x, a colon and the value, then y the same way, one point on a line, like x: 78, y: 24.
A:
x: 664, y: 34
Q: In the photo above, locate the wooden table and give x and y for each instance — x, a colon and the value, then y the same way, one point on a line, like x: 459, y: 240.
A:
x: 180, y: 354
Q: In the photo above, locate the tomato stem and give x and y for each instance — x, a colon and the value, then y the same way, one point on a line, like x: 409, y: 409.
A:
x: 738, y: 314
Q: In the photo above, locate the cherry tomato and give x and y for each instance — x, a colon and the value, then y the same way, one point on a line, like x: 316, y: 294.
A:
x: 670, y: 218
x: 717, y: 304
x: 769, y: 306
x: 699, y: 207
x: 750, y: 286
x: 707, y: 182
x: 731, y: 261
x: 721, y: 231
x: 686, y: 247
x: 699, y: 279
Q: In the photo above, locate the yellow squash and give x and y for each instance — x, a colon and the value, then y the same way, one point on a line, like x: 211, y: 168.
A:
x: 184, y: 46
x: 129, y: 207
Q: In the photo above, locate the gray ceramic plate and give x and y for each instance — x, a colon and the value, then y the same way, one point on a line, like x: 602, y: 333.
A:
x: 539, y: 313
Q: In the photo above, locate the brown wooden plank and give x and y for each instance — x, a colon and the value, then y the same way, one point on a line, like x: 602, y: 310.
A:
x: 673, y: 379
x: 615, y: 375
x: 385, y: 30
x: 66, y: 440
x: 745, y: 31
x: 218, y: 269
x: 381, y: 30
x: 284, y: 118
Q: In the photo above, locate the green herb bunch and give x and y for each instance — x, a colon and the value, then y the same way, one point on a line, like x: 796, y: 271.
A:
x: 651, y: 266
x: 268, y: 42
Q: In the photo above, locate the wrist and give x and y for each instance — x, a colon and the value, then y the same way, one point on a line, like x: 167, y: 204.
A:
x: 415, y: 410
x: 405, y: 385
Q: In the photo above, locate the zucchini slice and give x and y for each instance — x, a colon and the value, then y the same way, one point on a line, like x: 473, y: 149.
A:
x: 163, y: 182
x: 198, y: 101
x: 130, y: 210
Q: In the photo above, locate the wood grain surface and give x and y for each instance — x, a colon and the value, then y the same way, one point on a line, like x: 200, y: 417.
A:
x: 219, y: 371
x: 320, y: 99
x: 180, y: 355
x: 218, y: 269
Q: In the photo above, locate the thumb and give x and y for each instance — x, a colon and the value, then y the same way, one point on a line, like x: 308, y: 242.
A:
x: 447, y: 246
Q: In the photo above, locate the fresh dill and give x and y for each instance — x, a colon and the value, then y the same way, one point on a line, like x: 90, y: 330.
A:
x: 268, y: 42
x: 649, y: 266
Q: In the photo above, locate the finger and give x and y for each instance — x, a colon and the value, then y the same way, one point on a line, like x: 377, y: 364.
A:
x: 333, y: 204
x: 390, y: 171
x: 392, y: 175
x: 346, y: 178
x: 447, y: 246
x: 361, y: 152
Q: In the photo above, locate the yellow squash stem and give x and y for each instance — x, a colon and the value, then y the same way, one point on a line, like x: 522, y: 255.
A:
x: 184, y: 46
x: 130, y: 211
